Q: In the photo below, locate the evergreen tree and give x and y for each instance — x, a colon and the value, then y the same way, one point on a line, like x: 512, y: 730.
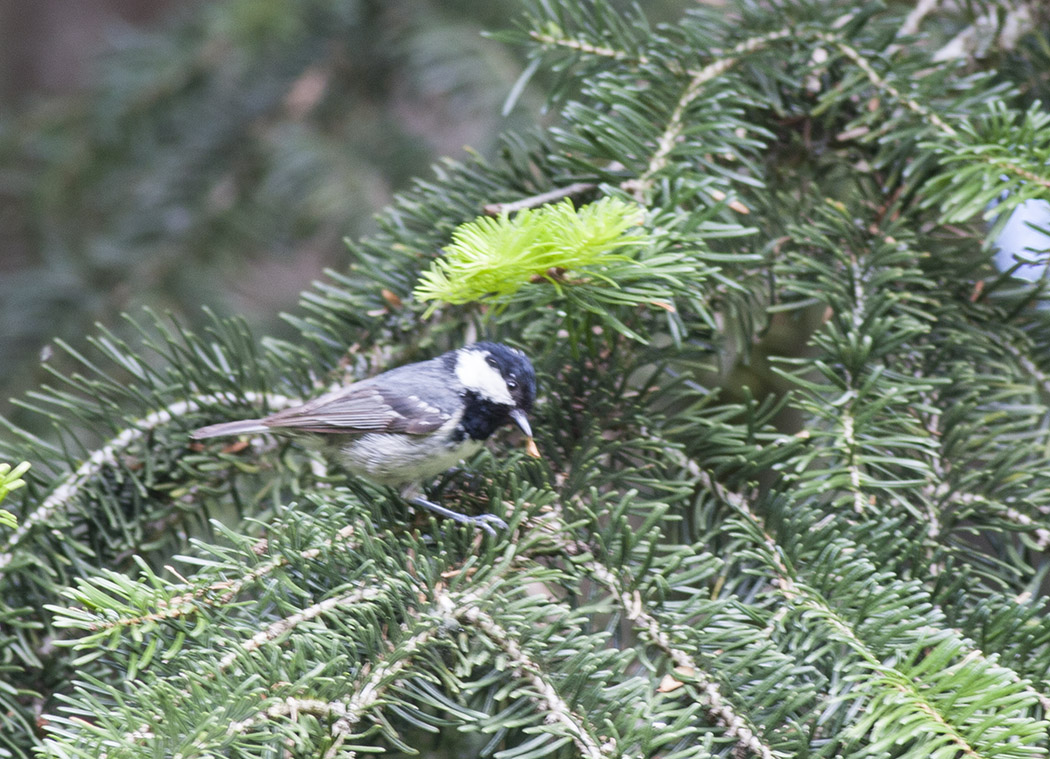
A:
x: 794, y: 489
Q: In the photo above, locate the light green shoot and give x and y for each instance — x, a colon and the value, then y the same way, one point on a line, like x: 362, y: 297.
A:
x: 10, y: 479
x: 491, y: 258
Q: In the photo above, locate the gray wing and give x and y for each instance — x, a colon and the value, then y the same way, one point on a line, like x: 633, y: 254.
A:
x: 414, y: 399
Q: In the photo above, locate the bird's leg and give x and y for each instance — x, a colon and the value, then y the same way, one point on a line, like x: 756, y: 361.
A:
x: 462, y: 474
x: 484, y: 521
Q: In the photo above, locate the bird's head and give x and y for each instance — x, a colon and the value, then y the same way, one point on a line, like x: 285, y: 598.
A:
x: 500, y: 382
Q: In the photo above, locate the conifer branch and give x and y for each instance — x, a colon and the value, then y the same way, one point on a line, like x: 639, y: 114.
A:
x: 1024, y: 686
x: 641, y: 186
x: 1011, y: 27
x: 1040, y: 535
x: 712, y: 701
x: 708, y: 72
x: 62, y: 497
x: 583, y: 46
x: 350, y: 710
x: 285, y: 625
x: 797, y: 469
x: 547, y: 698
x: 857, y: 316
x: 855, y: 476
x: 1026, y: 363
x: 10, y: 479
x: 383, y: 674
x: 894, y: 679
x: 882, y: 84
x: 803, y: 596
x: 217, y: 594
x: 492, y: 259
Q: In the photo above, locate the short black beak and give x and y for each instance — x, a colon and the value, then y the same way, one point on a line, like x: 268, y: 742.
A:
x: 521, y: 420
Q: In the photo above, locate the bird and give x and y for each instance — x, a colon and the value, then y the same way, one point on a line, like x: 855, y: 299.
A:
x: 409, y: 424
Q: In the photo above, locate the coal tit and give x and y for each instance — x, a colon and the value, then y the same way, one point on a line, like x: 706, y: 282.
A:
x: 413, y: 422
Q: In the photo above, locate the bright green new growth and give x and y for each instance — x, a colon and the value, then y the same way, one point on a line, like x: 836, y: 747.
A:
x: 10, y: 479
x: 493, y: 257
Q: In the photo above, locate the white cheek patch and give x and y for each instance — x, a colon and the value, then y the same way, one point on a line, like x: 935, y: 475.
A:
x: 475, y: 373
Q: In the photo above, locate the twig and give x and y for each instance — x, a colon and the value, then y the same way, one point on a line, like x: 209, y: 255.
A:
x: 576, y: 188
x: 640, y: 186
x: 972, y: 40
x: 914, y: 19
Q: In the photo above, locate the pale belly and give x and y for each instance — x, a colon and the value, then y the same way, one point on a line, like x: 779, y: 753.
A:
x: 397, y: 460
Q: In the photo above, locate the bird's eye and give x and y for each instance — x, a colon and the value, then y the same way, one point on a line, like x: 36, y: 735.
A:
x: 512, y: 383
x: 491, y: 362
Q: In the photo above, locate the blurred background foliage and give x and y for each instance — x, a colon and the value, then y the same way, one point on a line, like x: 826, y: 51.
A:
x: 186, y: 154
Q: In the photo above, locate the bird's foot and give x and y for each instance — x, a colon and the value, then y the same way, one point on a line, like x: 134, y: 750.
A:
x: 485, y: 522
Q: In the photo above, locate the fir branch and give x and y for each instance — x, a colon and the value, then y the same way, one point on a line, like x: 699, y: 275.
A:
x: 1040, y: 534
x: 893, y: 682
x: 801, y: 595
x: 638, y: 60
x: 998, y: 152
x: 216, y: 594
x: 642, y: 185
x: 64, y: 495
x: 858, y: 313
x: 556, y: 38
x: 285, y: 625
x: 1025, y: 362
x: 712, y: 701
x: 856, y: 479
x: 547, y: 699
x: 913, y: 20
x: 882, y: 83
x: 346, y: 711
x: 382, y: 675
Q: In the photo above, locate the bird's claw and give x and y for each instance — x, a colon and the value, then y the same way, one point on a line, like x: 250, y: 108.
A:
x: 482, y: 521
x: 486, y: 523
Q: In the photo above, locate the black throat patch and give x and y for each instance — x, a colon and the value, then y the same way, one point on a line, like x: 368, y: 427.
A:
x: 480, y: 418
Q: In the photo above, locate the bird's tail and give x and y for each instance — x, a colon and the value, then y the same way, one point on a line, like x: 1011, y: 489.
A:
x: 243, y: 427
